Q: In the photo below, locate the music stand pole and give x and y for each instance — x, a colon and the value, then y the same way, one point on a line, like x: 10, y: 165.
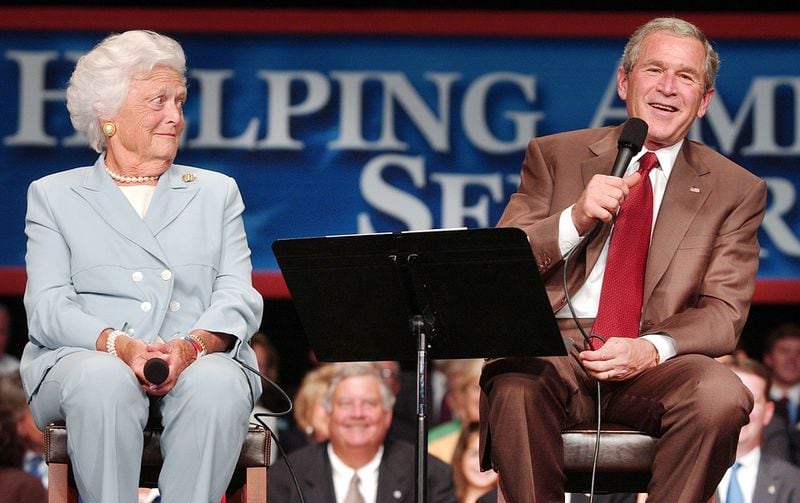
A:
x: 418, y: 327
x: 470, y: 293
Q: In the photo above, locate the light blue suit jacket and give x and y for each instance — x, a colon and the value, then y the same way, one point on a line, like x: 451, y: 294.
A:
x: 93, y: 263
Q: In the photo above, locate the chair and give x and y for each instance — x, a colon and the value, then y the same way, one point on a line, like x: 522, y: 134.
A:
x: 623, y: 465
x: 248, y: 484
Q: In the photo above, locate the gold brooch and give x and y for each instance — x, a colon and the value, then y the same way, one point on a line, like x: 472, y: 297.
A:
x: 189, y: 177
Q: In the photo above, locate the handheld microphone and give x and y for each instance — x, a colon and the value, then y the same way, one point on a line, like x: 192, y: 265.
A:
x: 630, y: 143
x: 156, y: 370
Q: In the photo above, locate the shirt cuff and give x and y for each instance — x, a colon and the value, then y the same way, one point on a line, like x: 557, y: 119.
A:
x: 568, y: 236
x: 665, y: 345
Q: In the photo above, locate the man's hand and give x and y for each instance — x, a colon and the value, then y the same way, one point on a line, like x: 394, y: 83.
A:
x: 619, y: 359
x: 601, y: 200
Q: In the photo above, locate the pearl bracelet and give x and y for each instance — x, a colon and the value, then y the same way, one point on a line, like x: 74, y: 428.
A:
x: 111, y: 342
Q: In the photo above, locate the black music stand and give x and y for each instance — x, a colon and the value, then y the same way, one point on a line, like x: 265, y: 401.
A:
x: 467, y: 293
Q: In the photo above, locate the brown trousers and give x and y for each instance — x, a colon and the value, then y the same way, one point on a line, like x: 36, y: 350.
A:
x: 694, y: 404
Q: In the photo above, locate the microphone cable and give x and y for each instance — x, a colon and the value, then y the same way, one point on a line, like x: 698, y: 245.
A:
x: 630, y: 142
x: 588, y: 344
x: 257, y: 416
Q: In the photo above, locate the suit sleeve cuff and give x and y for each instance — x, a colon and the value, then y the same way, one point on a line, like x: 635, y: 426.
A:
x: 568, y: 236
x: 665, y: 345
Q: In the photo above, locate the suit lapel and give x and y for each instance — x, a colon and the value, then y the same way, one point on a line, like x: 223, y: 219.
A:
x: 768, y: 482
x: 395, y: 477
x: 684, y: 196
x: 316, y: 487
x: 100, y: 192
x: 171, y: 197
x: 606, y: 152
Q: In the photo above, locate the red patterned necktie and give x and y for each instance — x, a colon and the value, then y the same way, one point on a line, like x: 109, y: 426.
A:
x: 623, y: 281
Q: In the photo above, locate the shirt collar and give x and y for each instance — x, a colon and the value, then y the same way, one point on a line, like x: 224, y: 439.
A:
x: 339, y: 466
x: 750, y: 459
x: 793, y: 394
x: 666, y: 157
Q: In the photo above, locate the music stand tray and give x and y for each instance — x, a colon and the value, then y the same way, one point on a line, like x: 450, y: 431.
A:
x: 442, y: 294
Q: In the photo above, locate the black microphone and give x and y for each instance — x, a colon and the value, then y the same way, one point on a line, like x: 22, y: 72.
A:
x: 156, y: 370
x: 630, y: 143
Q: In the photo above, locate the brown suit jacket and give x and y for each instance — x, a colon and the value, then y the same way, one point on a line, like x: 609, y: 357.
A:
x: 704, y: 251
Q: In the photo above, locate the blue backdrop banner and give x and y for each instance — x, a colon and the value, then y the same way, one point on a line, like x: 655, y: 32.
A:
x: 354, y: 133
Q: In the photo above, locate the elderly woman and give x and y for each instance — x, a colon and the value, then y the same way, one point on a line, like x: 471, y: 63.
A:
x: 132, y: 259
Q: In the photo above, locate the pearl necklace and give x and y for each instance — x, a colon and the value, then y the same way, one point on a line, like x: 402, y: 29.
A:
x: 131, y: 179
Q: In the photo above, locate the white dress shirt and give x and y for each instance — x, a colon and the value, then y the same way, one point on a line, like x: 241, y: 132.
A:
x: 343, y: 474
x: 748, y: 471
x: 793, y: 396
x: 586, y: 300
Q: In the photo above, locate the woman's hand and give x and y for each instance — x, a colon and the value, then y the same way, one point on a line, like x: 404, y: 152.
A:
x: 178, y: 354
x: 135, y: 353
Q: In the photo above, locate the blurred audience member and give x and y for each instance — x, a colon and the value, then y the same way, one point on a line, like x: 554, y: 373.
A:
x: 471, y: 483
x: 310, y: 423
x: 268, y: 364
x: 15, y: 484
x: 309, y: 412
x: 358, y: 461
x: 12, y: 395
x: 9, y: 364
x: 439, y: 410
x: 390, y: 372
x: 756, y: 476
x: 403, y: 384
x: 463, y: 398
x: 782, y: 356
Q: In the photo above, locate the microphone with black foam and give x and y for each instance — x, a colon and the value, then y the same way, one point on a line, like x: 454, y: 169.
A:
x: 630, y: 143
x: 156, y: 370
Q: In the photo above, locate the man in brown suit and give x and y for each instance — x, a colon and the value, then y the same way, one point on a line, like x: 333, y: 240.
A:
x: 699, y: 279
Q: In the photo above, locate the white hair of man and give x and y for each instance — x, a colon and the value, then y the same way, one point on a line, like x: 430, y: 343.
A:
x: 677, y: 27
x: 101, y: 79
x: 356, y: 369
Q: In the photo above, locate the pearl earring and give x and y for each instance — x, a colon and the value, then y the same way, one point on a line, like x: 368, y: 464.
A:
x: 109, y: 128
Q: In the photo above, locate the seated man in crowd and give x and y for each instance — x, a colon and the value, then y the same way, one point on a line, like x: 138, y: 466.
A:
x: 12, y: 395
x: 782, y: 356
x: 757, y: 476
x: 358, y: 463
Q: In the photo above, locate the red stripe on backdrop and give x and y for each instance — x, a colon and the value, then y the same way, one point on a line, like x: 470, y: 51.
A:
x: 717, y: 25
x: 272, y: 286
x: 777, y: 291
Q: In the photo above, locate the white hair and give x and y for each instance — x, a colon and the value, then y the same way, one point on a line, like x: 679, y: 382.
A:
x: 357, y: 369
x: 99, y: 85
